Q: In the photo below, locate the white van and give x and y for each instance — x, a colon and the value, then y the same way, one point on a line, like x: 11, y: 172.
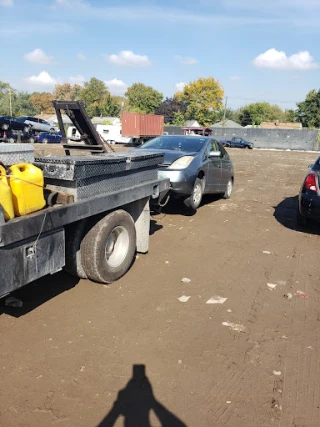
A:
x: 112, y: 134
x: 72, y: 133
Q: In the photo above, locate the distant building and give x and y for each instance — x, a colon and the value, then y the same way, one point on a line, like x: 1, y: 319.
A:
x: 280, y: 125
x: 226, y: 124
x: 191, y: 124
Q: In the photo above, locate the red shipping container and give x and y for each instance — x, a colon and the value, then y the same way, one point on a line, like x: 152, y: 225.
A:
x: 136, y: 125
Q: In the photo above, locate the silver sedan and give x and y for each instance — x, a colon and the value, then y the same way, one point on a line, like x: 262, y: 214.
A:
x: 195, y: 165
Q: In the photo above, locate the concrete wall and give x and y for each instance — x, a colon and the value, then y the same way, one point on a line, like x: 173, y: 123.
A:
x: 294, y: 139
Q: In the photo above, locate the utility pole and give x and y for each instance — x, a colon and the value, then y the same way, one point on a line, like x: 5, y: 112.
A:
x: 10, y: 102
x: 225, y: 109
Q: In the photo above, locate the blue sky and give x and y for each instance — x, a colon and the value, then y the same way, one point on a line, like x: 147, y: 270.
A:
x: 258, y: 50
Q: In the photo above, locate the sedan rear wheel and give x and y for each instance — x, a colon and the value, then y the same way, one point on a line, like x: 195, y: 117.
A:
x: 195, y: 198
x: 228, y: 191
x: 45, y: 140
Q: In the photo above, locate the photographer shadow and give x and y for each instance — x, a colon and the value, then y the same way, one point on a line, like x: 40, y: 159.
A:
x: 135, y: 402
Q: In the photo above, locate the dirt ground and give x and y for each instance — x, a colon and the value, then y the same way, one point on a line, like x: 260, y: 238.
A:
x: 250, y: 361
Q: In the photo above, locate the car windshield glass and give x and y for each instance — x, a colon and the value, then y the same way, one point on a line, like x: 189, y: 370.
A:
x: 187, y: 144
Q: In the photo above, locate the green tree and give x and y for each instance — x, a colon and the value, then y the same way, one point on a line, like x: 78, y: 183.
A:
x: 5, y: 91
x: 143, y: 99
x: 203, y: 98
x: 23, y: 105
x: 67, y: 92
x: 92, y: 94
x: 178, y: 119
x: 110, y: 106
x: 290, y: 116
x: 169, y: 107
x: 309, y: 110
x: 230, y: 114
x: 254, y: 114
x: 42, y: 102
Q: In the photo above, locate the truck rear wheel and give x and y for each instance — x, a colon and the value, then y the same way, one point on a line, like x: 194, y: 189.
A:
x: 108, y: 249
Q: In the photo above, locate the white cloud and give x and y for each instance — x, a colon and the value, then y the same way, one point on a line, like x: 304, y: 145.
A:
x: 277, y: 59
x: 128, y: 58
x: 234, y: 78
x: 6, y: 3
x: 187, y: 60
x: 43, y: 79
x: 38, y: 56
x: 180, y: 86
x: 77, y: 80
x: 116, y: 86
x: 81, y: 56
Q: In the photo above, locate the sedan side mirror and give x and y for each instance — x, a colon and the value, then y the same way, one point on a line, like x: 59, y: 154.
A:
x: 214, y: 154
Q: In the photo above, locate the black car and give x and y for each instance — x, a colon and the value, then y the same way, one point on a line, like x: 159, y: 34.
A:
x: 236, y: 142
x: 309, y: 197
x: 12, y: 136
x: 9, y: 122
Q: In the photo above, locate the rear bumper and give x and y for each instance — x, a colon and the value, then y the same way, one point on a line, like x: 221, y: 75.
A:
x: 309, y: 205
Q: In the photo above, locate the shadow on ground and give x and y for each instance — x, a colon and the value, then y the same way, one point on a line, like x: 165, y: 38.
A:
x: 286, y: 214
x: 135, y: 402
x: 37, y: 293
x: 176, y: 206
x: 154, y: 227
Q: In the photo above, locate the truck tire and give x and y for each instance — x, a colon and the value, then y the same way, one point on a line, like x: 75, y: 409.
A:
x: 108, y: 249
x: 74, y: 235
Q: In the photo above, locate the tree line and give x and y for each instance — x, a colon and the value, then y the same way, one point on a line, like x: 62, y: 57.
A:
x: 201, y: 100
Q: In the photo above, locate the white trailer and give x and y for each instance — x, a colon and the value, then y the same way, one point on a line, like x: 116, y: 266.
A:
x: 112, y: 134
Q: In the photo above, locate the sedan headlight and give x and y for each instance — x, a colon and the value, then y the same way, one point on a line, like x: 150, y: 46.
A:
x: 181, y: 163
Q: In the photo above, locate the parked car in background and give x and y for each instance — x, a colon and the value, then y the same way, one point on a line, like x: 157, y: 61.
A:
x: 12, y: 136
x: 195, y: 165
x: 36, y: 124
x: 48, y: 137
x: 309, y: 197
x: 7, y: 122
x: 236, y: 142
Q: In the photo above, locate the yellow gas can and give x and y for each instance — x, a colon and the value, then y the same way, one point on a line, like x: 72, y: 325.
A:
x: 26, y: 182
x: 5, y: 195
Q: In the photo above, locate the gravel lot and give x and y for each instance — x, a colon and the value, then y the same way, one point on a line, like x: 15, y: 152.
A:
x: 251, y: 360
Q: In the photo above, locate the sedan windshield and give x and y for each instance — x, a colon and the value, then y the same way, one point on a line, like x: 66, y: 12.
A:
x: 187, y: 144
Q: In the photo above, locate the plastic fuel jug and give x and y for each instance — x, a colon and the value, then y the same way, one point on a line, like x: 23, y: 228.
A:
x: 26, y: 182
x: 5, y: 195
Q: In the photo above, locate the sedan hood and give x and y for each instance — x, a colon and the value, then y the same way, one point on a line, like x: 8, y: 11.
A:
x: 169, y: 155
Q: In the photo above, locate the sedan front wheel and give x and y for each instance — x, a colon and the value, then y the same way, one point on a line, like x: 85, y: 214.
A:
x: 195, y: 198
